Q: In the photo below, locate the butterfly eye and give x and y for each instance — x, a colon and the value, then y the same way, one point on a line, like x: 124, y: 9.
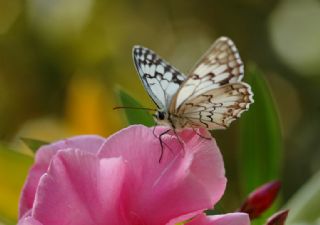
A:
x: 161, y: 115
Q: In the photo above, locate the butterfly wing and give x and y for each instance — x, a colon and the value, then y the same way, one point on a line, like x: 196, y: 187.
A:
x: 213, y: 95
x: 160, y: 79
x: 220, y: 65
x: 217, y: 108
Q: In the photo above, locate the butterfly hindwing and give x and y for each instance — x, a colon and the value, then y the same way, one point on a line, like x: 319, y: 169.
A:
x: 219, y: 66
x: 212, y: 96
x: 160, y: 79
x: 217, y: 108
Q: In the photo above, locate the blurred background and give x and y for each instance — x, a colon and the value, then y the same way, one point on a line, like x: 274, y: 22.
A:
x: 61, y: 61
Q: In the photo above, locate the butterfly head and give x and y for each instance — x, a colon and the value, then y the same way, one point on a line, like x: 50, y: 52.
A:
x: 161, y: 117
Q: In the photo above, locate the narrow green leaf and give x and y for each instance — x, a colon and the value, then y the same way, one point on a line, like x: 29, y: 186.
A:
x: 33, y: 144
x: 260, y: 136
x: 304, y: 206
x: 134, y: 116
x: 14, y: 167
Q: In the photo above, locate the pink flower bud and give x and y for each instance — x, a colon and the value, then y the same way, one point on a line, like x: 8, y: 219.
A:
x: 278, y: 218
x: 261, y: 199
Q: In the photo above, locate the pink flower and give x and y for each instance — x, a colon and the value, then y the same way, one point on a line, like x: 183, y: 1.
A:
x: 89, y: 180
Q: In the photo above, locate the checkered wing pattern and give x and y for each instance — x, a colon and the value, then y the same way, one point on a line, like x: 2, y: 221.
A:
x: 159, y: 78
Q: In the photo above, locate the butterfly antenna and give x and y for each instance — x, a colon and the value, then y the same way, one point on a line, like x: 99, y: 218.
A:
x: 129, y: 107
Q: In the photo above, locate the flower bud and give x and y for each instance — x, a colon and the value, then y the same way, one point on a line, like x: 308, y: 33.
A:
x: 260, y: 199
x: 278, y: 218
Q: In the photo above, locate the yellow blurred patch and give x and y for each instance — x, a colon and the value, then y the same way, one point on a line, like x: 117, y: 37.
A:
x: 89, y: 107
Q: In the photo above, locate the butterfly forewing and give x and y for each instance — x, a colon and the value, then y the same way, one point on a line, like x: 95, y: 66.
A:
x: 212, y: 96
x: 219, y: 66
x: 160, y: 79
x: 217, y: 108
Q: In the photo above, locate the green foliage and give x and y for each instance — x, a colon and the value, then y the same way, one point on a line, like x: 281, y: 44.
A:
x: 260, y: 136
x: 33, y: 144
x: 260, y: 140
x: 134, y: 116
x: 305, y: 204
x: 13, y: 171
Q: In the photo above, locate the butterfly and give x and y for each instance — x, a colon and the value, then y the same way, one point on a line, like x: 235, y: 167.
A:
x: 211, y: 96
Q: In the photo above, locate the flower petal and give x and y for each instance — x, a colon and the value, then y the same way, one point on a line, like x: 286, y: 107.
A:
x: 226, y: 219
x: 81, y: 189
x: 88, y: 143
x: 28, y: 221
x: 189, y: 178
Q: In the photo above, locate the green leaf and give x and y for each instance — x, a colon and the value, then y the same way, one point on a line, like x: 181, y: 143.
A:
x: 14, y: 167
x: 134, y: 116
x: 33, y: 144
x: 304, y: 206
x: 260, y: 136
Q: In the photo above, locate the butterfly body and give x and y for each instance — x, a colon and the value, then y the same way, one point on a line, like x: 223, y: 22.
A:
x: 212, y: 96
x: 171, y: 120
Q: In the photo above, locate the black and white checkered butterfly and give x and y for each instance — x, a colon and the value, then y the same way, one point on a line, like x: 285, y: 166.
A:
x: 211, y: 96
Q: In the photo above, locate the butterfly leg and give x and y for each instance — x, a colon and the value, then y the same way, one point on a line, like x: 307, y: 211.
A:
x: 200, y: 135
x: 179, y: 139
x: 162, y: 143
x: 154, y: 132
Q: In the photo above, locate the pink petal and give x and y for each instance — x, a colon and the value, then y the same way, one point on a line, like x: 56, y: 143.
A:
x: 188, y: 179
x: 227, y: 219
x: 88, y: 143
x: 28, y: 221
x: 81, y: 189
